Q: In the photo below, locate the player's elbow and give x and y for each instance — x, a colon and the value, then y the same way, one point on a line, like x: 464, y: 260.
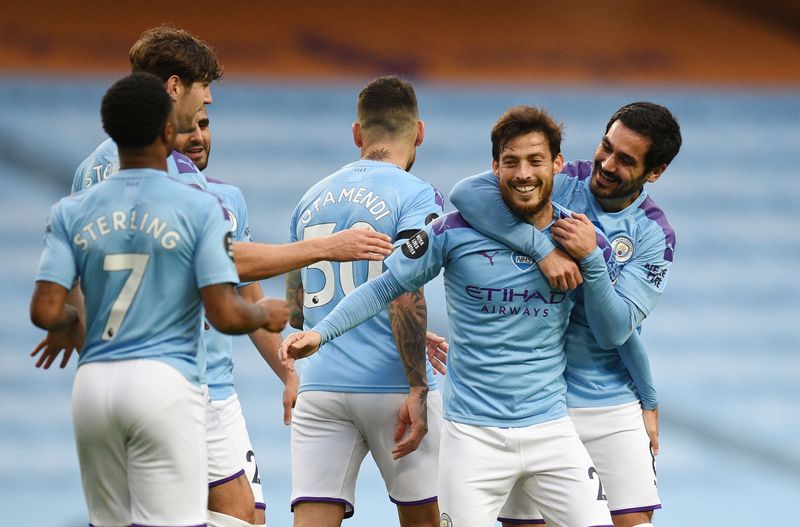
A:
x: 44, y: 315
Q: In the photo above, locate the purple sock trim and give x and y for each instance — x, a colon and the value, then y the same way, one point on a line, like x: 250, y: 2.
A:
x: 412, y: 503
x: 262, y: 506
x: 225, y: 480
x: 637, y: 509
x: 349, y: 510
x: 514, y: 521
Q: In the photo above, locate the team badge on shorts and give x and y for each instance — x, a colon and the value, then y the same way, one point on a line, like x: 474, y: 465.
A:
x: 446, y: 521
x: 623, y: 248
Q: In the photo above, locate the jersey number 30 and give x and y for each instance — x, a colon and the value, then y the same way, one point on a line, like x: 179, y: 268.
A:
x: 346, y: 274
x: 136, y: 264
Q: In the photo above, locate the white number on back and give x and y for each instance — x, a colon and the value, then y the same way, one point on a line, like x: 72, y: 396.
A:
x: 136, y: 264
x: 347, y: 278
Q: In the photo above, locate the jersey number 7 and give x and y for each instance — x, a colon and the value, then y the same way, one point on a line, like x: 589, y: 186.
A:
x: 136, y: 264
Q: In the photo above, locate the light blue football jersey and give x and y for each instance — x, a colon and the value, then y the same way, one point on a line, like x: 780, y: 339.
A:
x: 219, y: 346
x: 506, y: 358
x: 142, y: 245
x: 365, y: 194
x: 104, y: 162
x: 643, y: 243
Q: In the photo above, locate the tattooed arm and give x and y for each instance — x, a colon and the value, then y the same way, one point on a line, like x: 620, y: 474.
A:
x: 294, y: 296
x: 408, y: 315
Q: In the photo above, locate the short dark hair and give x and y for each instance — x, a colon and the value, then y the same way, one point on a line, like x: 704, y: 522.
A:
x: 165, y: 51
x: 521, y: 120
x: 656, y: 123
x: 135, y: 109
x: 388, y: 103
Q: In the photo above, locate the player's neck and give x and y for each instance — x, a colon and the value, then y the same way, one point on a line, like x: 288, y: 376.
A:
x: 542, y: 218
x: 618, y: 204
x: 389, y: 152
x: 147, y: 157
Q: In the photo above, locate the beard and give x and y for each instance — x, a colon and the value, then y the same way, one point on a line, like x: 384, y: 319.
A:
x: 612, y: 186
x: 526, y: 210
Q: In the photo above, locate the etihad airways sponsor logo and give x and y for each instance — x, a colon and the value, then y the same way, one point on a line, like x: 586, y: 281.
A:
x: 512, y: 295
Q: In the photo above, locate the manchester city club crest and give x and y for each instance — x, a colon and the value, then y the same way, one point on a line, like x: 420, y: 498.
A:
x: 623, y: 248
x: 523, y: 262
x: 446, y: 521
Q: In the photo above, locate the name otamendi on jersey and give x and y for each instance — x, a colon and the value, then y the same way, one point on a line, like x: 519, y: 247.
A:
x: 373, y: 202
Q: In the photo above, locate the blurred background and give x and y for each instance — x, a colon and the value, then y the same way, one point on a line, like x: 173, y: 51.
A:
x: 723, y: 341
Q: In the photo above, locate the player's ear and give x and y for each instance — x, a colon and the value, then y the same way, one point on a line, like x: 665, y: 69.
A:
x: 496, y: 168
x: 420, y: 133
x: 357, y: 139
x: 654, y: 174
x: 174, y: 87
x: 558, y: 163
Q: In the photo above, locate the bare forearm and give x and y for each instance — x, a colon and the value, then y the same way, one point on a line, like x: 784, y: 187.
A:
x: 63, y: 319
x: 267, y: 344
x: 408, y: 315
x: 257, y: 261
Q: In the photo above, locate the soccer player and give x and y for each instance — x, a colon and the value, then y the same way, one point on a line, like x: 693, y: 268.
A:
x: 346, y: 408
x: 219, y: 370
x: 151, y: 252
x: 187, y: 66
x: 609, y: 391
x: 506, y: 422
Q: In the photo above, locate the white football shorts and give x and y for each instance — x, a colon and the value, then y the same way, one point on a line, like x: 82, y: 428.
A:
x: 230, y: 414
x: 617, y: 442
x: 333, y: 431
x: 224, y: 464
x: 140, y: 432
x: 546, y: 462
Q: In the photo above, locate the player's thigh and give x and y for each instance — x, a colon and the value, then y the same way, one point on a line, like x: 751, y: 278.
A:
x: 560, y: 476
x: 166, y: 451
x: 412, y: 479
x: 478, y: 468
x: 618, y: 444
x: 230, y: 413
x: 520, y: 507
x: 101, y: 445
x: 327, y: 450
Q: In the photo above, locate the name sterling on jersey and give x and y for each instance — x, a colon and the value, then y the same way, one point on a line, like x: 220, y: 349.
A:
x: 121, y: 221
x: 371, y: 201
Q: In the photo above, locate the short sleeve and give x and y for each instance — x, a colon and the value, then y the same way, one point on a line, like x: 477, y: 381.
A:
x: 57, y: 263
x: 213, y: 260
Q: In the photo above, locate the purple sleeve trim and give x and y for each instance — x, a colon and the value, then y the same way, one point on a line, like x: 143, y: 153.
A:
x: 636, y: 509
x: 349, y: 510
x: 413, y: 503
x: 654, y: 213
x: 262, y: 506
x: 513, y: 521
x: 216, y: 181
x: 454, y: 220
x: 225, y: 480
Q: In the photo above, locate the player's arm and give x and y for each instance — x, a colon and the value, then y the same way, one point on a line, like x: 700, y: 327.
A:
x: 294, y: 296
x: 408, y: 316
x: 491, y: 216
x: 257, y: 261
x: 49, y: 309
x: 268, y: 343
x: 611, y: 316
x: 230, y: 313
